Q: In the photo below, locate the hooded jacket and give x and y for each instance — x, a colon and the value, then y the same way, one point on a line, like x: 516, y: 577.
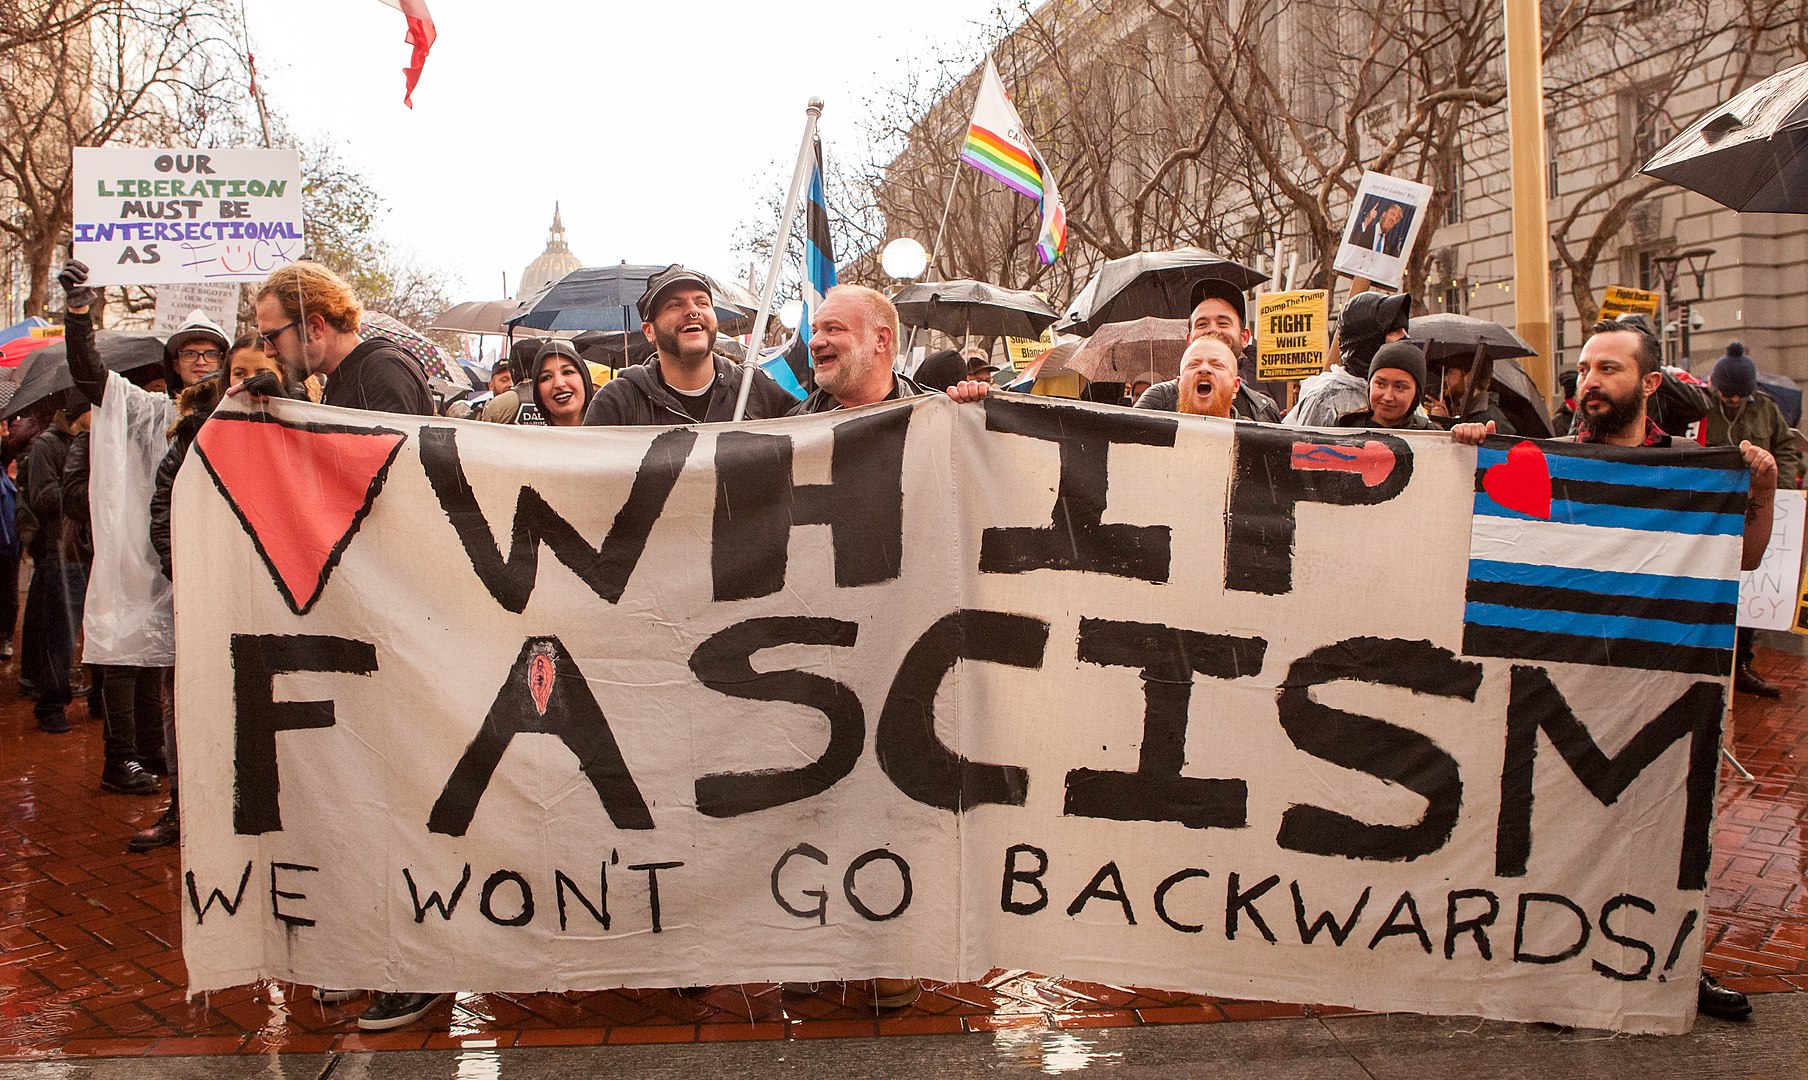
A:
x: 638, y: 396
x: 559, y: 350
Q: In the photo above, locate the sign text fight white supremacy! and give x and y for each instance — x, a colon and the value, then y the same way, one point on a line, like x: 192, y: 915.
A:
x: 927, y: 689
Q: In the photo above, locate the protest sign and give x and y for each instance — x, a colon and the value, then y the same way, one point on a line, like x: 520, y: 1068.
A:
x: 151, y: 216
x: 218, y: 300
x: 926, y: 689
x: 1025, y: 351
x: 1620, y: 300
x: 1292, y: 336
x: 1767, y: 595
x: 1384, y: 222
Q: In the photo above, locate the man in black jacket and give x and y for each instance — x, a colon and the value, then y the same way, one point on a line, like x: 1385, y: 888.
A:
x: 853, y: 344
x: 307, y: 317
x: 684, y: 381
x: 59, y: 580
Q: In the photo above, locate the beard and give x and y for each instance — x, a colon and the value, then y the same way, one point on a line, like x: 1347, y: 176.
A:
x: 1621, y: 414
x: 1218, y: 404
x: 670, y: 343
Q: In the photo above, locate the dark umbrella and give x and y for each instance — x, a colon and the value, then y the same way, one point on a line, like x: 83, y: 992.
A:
x: 604, y: 298
x: 1785, y: 393
x: 962, y: 307
x: 1151, y: 283
x: 1451, y: 339
x: 45, y: 373
x: 476, y: 317
x: 1751, y: 153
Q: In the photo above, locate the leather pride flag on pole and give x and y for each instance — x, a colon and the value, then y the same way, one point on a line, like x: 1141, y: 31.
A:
x: 420, y: 35
x: 998, y: 146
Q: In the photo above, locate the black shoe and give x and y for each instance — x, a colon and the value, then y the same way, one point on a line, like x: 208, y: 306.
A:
x: 55, y: 724
x: 28, y: 690
x: 1747, y: 681
x: 1712, y: 999
x: 393, y: 1010
x: 156, y: 766
x: 127, y: 778
x: 165, y: 832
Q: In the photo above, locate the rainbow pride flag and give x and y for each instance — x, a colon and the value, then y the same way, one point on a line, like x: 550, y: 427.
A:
x: 997, y: 146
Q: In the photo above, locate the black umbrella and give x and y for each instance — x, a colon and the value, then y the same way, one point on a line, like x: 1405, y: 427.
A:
x: 962, y: 307
x: 45, y: 373
x: 604, y: 298
x: 1157, y: 283
x: 1751, y: 153
x: 1451, y: 338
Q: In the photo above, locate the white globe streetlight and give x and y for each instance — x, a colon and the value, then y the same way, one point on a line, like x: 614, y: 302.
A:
x: 904, y: 259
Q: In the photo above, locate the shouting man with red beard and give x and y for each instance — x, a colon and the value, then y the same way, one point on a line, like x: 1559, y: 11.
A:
x: 1208, y: 378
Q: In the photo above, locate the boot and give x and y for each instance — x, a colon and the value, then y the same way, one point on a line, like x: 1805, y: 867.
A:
x: 165, y: 832
x: 127, y: 777
x: 1747, y: 681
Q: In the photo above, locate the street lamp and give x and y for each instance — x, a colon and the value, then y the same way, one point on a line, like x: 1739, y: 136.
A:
x: 1667, y: 265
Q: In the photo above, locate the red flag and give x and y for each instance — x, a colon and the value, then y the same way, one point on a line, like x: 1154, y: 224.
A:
x: 420, y: 35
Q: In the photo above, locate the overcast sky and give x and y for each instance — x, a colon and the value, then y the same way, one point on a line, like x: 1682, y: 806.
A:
x: 657, y: 126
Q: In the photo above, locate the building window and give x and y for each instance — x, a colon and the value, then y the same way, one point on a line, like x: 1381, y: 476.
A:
x: 1551, y: 183
x: 1454, y: 297
x: 1644, y: 125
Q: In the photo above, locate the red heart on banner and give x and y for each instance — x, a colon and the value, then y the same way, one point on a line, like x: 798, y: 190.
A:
x: 1522, y: 482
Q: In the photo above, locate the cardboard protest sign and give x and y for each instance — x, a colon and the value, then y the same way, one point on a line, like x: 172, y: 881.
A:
x: 1292, y: 334
x: 1384, y: 222
x: 925, y: 689
x: 1620, y: 300
x: 1025, y: 351
x: 151, y: 216
x: 218, y: 300
x: 1767, y: 595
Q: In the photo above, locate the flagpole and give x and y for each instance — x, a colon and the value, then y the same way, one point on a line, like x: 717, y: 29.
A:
x: 752, y: 359
x: 946, y: 206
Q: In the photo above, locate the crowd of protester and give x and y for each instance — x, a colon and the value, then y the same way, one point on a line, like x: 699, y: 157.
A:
x: 98, y: 615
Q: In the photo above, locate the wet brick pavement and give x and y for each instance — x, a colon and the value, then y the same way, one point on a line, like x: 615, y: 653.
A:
x: 89, y: 963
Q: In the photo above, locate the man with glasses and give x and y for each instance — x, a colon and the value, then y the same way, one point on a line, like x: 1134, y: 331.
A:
x: 307, y: 317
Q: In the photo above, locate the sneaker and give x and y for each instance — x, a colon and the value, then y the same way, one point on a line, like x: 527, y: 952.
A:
x: 393, y: 1010
x: 127, y: 778
x: 162, y: 834
x: 333, y: 997
x: 55, y: 724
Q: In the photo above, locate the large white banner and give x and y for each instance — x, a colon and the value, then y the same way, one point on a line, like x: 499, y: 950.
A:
x: 155, y: 215
x: 927, y: 689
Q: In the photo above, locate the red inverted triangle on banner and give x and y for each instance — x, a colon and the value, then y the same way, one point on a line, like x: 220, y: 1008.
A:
x: 300, y: 492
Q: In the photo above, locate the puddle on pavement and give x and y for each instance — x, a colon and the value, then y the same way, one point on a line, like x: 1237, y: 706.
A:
x: 479, y: 1065
x: 1054, y: 1052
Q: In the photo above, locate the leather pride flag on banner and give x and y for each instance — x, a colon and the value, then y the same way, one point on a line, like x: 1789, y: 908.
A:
x: 420, y: 35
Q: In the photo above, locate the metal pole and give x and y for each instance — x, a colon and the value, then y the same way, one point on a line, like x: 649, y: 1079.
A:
x: 814, y: 112
x: 1531, y: 220
x: 948, y: 205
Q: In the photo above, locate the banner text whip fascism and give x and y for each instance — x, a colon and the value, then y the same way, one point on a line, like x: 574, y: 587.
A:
x: 928, y: 689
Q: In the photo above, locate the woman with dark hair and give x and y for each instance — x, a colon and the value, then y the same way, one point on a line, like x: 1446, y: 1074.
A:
x: 559, y: 384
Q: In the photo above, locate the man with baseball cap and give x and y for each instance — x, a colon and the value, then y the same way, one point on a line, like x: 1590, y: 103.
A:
x: 1369, y: 321
x: 685, y: 381
x: 1218, y: 311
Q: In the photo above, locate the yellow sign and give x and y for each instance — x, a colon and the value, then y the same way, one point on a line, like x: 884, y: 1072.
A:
x: 1292, y: 337
x: 46, y: 331
x: 1801, y: 608
x: 1620, y: 300
x: 1026, y: 351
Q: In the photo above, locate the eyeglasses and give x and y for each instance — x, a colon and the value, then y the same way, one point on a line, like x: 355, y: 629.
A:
x: 192, y: 355
x: 267, y: 338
